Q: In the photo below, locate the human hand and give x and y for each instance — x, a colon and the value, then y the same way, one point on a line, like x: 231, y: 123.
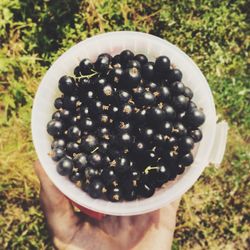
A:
x: 75, y: 231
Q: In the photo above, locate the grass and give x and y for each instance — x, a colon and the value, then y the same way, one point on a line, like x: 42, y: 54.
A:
x: 214, y: 214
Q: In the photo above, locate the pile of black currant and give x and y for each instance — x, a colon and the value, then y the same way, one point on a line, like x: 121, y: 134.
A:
x: 124, y: 126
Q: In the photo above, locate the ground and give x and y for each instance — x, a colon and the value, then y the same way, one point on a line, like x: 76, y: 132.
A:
x: 214, y: 214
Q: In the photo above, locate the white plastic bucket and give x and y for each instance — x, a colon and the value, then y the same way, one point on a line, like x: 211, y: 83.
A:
x: 210, y: 149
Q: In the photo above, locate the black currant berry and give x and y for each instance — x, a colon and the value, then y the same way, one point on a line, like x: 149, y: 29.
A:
x: 77, y: 71
x: 126, y: 111
x: 114, y: 194
x: 145, y: 190
x: 95, y: 159
x: 122, y: 96
x: 67, y: 84
x: 165, y: 128
x: 186, y: 143
x: 177, y: 88
x: 196, y: 134
x: 108, y: 176
x: 89, y: 143
x: 194, y: 118
x: 75, y: 176
x: 156, y: 116
x: 162, y: 94
x: 115, y: 75
x: 124, y: 140
x: 80, y: 161
x: 122, y: 164
x: 86, y: 67
x: 58, y: 103
x: 72, y: 148
x: 130, y: 78
x: 162, y: 65
x: 96, y: 188
x: 142, y: 59
x: 87, y: 124
x: 90, y: 173
x: 65, y: 166
x: 147, y: 134
x: 188, y: 92
x: 102, y: 63
x: 147, y: 71
x: 181, y: 102
x: 169, y: 112
x: 186, y: 159
x: 175, y: 75
x: 133, y: 64
x: 69, y: 102
x: 55, y: 127
x: 57, y: 154
x: 125, y: 56
x: 179, y: 130
x: 73, y: 133
x: 58, y: 143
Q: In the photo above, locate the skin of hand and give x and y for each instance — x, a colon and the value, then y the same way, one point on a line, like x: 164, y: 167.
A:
x: 74, y: 231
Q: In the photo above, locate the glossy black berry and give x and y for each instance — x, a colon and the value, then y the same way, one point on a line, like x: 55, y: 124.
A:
x: 169, y: 112
x: 55, y: 127
x: 65, y: 166
x: 130, y: 78
x: 124, y: 140
x: 69, y: 102
x: 72, y: 148
x: 133, y: 64
x: 186, y: 143
x: 57, y: 115
x: 162, y: 94
x: 158, y: 140
x: 73, y: 133
x: 146, y: 99
x: 139, y: 148
x: 77, y: 71
x: 65, y: 114
x: 180, y: 102
x: 108, y: 176
x: 58, y: 143
x: 102, y: 63
x: 147, y: 71
x: 196, y: 134
x: 177, y: 88
x: 152, y: 86
x: 179, y: 130
x: 86, y: 67
x: 162, y: 65
x: 129, y: 194
x: 186, y: 159
x: 113, y: 112
x: 84, y: 85
x: 90, y: 173
x: 175, y: 75
x: 80, y: 161
x: 58, y: 103
x: 95, y: 107
x: 104, y: 146
x: 67, y: 84
x: 139, y: 116
x: 170, y: 142
x: 95, y: 159
x: 116, y: 61
x: 194, y: 118
x: 122, y: 164
x: 89, y: 143
x: 125, y: 56
x: 115, y: 75
x: 126, y: 111
x: 188, y: 92
x: 147, y: 134
x: 87, y: 124
x: 57, y: 154
x: 145, y: 190
x: 75, y: 176
x: 156, y: 116
x: 107, y: 94
x: 114, y: 194
x: 122, y: 96
x: 142, y: 59
x: 165, y: 128
x: 96, y: 188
